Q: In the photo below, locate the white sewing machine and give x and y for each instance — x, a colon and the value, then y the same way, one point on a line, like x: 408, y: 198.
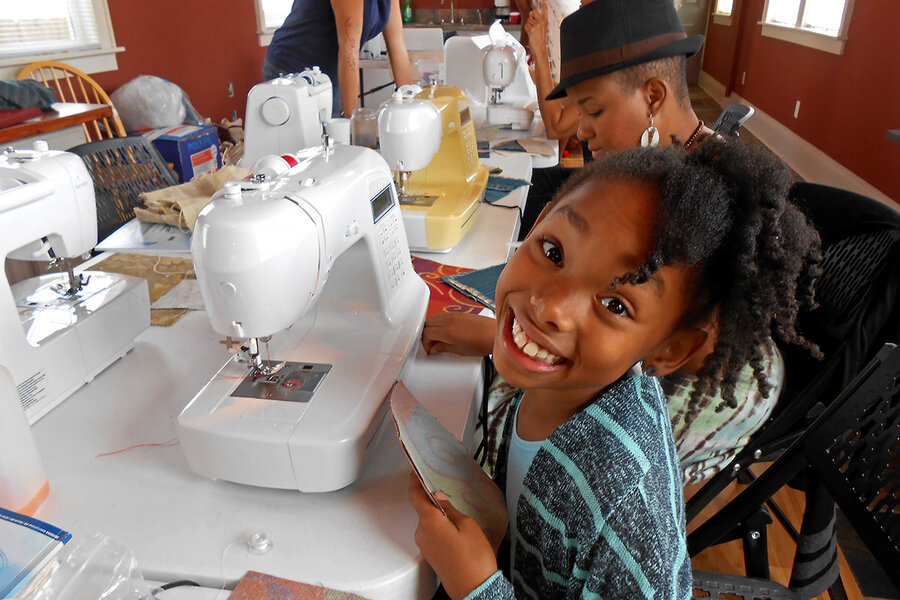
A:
x: 501, y: 93
x: 309, y: 267
x: 59, y: 330
x: 286, y: 114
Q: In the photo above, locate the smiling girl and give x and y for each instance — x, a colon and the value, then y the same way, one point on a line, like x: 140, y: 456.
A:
x: 621, y: 279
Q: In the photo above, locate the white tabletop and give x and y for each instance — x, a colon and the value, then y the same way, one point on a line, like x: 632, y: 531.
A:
x: 112, y: 458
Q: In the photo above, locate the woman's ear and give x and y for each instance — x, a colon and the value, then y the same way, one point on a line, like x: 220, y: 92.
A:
x: 676, y: 351
x: 656, y: 91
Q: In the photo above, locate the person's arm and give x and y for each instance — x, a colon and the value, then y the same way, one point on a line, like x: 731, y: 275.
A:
x: 560, y: 118
x: 465, y: 334
x: 396, y: 47
x: 348, y: 17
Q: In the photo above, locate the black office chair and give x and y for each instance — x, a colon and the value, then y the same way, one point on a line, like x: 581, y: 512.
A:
x: 732, y: 118
x: 122, y: 169
x: 859, y: 310
x: 853, y: 448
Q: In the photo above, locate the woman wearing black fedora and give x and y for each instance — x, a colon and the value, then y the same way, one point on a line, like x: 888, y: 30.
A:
x: 622, y: 80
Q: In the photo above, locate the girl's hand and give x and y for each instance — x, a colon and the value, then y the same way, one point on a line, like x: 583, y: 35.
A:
x: 465, y: 334
x: 536, y: 27
x: 454, y: 545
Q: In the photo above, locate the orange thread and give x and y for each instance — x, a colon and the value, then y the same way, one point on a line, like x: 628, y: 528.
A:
x: 169, y: 444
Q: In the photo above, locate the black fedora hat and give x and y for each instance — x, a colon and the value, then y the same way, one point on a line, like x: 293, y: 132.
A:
x: 609, y: 35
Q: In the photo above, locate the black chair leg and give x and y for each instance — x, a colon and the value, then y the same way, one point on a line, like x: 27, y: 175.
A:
x: 756, y: 544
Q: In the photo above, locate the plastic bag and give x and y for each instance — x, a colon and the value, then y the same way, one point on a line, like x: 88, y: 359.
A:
x: 91, y: 567
x: 149, y: 102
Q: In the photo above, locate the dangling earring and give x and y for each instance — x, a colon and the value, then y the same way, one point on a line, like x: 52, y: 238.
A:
x: 650, y: 371
x: 650, y: 137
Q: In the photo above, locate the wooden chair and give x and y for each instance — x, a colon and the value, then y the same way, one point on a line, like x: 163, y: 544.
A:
x: 73, y: 85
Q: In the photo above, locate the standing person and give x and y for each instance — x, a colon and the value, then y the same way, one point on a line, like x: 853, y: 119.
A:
x: 329, y: 34
x: 624, y: 275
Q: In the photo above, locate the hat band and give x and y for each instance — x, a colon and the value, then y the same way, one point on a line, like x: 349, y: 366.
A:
x: 612, y: 56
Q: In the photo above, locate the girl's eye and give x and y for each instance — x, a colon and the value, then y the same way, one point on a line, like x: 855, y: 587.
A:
x: 552, y: 251
x: 615, y: 306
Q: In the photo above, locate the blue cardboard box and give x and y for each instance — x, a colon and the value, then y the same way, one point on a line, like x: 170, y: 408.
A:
x: 192, y: 149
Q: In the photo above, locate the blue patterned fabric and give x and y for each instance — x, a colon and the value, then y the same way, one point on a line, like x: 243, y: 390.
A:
x: 601, y: 513
x: 27, y: 93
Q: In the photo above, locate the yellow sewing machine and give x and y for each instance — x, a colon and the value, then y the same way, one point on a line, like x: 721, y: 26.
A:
x: 439, y: 201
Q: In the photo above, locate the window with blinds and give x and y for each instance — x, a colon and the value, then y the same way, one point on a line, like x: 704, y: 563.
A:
x: 48, y: 26
x: 272, y: 13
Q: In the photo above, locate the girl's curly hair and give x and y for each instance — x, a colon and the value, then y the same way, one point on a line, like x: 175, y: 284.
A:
x: 724, y: 210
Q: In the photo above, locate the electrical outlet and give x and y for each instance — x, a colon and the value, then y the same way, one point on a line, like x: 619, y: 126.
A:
x: 743, y: 77
x: 230, y: 90
x: 797, y: 109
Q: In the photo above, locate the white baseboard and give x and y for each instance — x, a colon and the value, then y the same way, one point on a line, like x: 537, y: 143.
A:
x: 808, y: 161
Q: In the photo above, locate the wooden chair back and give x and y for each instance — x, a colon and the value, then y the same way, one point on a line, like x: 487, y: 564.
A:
x: 73, y: 85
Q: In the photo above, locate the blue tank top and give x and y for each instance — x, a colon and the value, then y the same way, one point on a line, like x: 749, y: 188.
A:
x: 308, y: 36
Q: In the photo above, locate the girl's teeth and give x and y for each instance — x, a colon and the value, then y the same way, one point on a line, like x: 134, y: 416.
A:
x: 529, y: 347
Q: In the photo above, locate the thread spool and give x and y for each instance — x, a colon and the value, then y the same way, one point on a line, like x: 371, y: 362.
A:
x: 23, y: 484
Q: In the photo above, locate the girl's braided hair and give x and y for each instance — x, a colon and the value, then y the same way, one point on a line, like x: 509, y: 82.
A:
x: 723, y: 209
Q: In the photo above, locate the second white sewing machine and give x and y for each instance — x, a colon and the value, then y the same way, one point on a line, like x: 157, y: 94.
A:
x: 308, y: 265
x: 61, y: 329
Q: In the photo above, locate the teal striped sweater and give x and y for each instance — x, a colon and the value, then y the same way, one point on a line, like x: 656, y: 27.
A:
x: 601, y: 513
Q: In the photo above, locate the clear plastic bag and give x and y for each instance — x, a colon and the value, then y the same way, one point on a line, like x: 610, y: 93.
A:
x: 149, y: 102
x: 88, y: 568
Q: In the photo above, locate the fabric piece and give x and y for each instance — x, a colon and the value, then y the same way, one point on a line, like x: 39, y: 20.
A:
x: 443, y: 464
x: 480, y: 285
x: 709, y: 440
x: 27, y: 93
x: 259, y: 586
x: 442, y: 297
x: 600, y: 519
x: 14, y: 116
x: 162, y: 274
x: 499, y: 187
x: 179, y: 205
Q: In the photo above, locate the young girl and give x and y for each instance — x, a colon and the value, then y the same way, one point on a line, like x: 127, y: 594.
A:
x: 621, y: 280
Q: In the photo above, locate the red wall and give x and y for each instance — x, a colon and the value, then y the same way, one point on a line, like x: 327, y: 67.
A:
x: 847, y: 102
x: 199, y: 44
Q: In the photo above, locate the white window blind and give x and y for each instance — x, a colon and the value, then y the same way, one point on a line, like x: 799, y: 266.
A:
x: 273, y: 13
x: 28, y: 28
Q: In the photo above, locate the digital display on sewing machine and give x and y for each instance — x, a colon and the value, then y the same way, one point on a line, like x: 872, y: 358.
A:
x: 465, y: 115
x: 382, y: 203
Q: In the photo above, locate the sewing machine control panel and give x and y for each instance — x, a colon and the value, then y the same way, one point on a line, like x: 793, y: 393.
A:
x: 394, y: 253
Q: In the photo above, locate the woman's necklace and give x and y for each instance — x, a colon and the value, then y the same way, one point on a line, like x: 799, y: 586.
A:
x: 693, y: 138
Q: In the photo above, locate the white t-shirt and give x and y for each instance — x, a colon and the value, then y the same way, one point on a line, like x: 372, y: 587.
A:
x: 557, y: 10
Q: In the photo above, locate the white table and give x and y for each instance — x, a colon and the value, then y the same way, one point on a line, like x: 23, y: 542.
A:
x: 114, y: 465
